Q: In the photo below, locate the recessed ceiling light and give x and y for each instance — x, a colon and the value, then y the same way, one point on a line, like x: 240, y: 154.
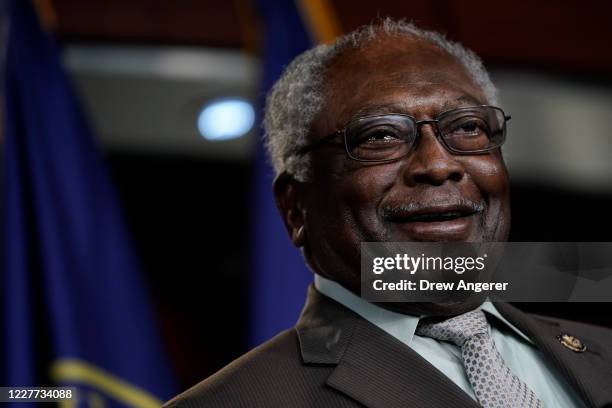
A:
x: 225, y: 119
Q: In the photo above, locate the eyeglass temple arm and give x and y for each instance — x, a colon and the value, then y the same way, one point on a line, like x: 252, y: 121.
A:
x: 318, y: 143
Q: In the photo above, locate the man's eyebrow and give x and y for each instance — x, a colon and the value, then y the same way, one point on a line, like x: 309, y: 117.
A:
x: 463, y: 100
x: 383, y: 109
x: 395, y: 107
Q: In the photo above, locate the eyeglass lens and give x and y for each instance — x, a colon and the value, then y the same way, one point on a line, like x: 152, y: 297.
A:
x: 388, y: 137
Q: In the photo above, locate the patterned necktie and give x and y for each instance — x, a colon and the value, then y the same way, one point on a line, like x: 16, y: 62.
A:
x: 493, y: 382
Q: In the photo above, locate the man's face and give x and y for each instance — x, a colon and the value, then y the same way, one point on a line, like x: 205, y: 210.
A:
x: 429, y: 195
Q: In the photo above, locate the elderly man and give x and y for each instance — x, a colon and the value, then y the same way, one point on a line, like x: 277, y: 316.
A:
x: 393, y: 133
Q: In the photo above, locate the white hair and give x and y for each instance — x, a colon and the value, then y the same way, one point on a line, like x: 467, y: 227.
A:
x: 298, y: 95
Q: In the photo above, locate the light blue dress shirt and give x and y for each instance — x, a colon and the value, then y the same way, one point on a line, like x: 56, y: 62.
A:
x: 517, y: 350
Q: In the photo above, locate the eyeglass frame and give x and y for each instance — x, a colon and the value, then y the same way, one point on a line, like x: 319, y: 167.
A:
x: 434, y: 122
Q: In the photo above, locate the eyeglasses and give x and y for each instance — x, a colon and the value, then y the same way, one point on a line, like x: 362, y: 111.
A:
x: 386, y: 138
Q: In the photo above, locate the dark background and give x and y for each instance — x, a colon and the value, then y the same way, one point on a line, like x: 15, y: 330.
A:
x: 190, y: 215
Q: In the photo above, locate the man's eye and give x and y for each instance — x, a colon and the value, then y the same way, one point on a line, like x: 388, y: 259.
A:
x: 379, y: 136
x: 470, y: 128
x: 382, y: 137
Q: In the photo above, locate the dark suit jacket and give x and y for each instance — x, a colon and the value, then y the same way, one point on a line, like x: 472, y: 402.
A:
x: 335, y: 358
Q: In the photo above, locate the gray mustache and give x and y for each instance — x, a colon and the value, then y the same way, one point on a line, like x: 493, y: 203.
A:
x: 399, y: 210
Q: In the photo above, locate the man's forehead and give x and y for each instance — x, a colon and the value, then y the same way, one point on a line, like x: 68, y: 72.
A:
x: 370, y: 96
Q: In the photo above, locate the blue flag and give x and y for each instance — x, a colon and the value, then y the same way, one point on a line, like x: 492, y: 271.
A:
x: 75, y: 310
x: 279, y: 276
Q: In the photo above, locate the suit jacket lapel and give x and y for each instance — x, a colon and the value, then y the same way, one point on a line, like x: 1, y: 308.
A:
x: 380, y: 371
x: 371, y: 366
x: 589, y: 373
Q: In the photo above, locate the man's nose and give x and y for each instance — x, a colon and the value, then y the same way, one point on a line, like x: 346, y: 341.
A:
x: 430, y: 162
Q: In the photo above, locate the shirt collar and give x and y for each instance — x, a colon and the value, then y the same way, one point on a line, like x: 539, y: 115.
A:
x: 490, y: 308
x: 398, y: 325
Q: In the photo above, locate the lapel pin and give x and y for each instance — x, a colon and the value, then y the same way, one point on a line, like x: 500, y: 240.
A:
x: 572, y: 343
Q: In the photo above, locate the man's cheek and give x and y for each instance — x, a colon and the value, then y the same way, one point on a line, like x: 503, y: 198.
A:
x: 490, y: 174
x: 370, y: 180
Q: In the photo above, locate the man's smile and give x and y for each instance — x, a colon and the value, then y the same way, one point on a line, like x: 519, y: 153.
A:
x: 452, y: 220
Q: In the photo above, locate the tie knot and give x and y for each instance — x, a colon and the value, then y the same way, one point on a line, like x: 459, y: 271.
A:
x: 457, y: 329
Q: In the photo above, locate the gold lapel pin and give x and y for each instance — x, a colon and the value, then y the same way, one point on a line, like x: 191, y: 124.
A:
x: 572, y: 343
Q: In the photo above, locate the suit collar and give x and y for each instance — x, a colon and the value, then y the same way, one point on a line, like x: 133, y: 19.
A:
x: 324, y: 329
x: 371, y: 367
x: 588, y: 373
x: 400, y: 326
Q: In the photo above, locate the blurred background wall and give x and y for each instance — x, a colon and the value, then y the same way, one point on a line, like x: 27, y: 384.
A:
x: 146, y: 69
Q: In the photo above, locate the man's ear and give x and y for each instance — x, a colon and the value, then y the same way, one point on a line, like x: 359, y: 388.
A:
x: 288, y: 194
